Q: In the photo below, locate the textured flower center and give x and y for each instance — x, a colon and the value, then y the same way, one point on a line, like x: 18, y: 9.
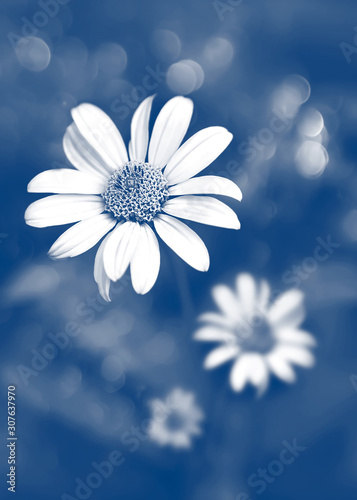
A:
x: 136, y: 192
x: 175, y: 422
x: 255, y: 335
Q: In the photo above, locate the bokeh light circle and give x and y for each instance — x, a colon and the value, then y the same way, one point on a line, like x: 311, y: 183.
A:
x: 350, y: 225
x: 311, y: 159
x: 111, y: 59
x: 112, y: 368
x: 298, y: 87
x: 311, y: 122
x: 291, y: 94
x: 217, y: 53
x: 166, y: 45
x: 185, y: 76
x: 33, y: 54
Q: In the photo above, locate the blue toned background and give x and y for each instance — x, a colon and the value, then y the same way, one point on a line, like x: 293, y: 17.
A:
x: 243, y: 63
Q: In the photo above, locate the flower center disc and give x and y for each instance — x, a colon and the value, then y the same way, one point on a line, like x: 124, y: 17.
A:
x: 175, y: 422
x: 255, y: 336
x: 136, y: 192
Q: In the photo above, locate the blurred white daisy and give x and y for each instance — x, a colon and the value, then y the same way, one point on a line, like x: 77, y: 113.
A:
x: 132, y: 198
x: 260, y: 336
x: 176, y: 420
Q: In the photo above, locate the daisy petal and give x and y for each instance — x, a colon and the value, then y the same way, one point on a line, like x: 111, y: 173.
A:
x: 217, y: 319
x: 264, y: 295
x: 82, y: 156
x: 63, y: 209
x: 227, y: 301
x: 130, y: 149
x: 295, y: 337
x: 197, y: 153
x: 100, y: 276
x: 65, y: 180
x: 119, y: 249
x: 101, y: 133
x: 203, y: 209
x: 297, y: 355
x: 181, y: 440
x: 169, y: 129
x: 140, y: 130
x: 220, y: 355
x: 82, y: 236
x: 249, y: 368
x: 183, y: 241
x: 207, y: 184
x: 280, y: 367
x: 213, y: 334
x: 247, y: 293
x: 288, y: 309
x: 145, y: 263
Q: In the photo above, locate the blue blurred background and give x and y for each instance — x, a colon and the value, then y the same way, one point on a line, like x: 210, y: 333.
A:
x: 243, y: 63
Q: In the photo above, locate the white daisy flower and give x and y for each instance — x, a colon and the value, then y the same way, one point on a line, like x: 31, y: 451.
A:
x: 260, y: 336
x: 131, y: 199
x: 176, y: 420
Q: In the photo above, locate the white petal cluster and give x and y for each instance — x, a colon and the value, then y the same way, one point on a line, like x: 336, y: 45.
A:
x: 95, y: 148
x: 175, y: 420
x: 259, y: 336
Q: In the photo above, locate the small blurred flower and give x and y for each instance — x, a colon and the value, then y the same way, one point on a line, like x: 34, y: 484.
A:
x: 262, y: 337
x: 107, y: 193
x: 175, y: 420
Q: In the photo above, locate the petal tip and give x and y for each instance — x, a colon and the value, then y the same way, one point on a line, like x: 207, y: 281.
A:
x: 30, y: 186
x: 53, y: 255
x: 187, y: 101
x: 236, y: 389
x: 105, y: 296
x: 204, y: 264
x: 235, y: 224
x: 239, y: 196
x: 28, y: 220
